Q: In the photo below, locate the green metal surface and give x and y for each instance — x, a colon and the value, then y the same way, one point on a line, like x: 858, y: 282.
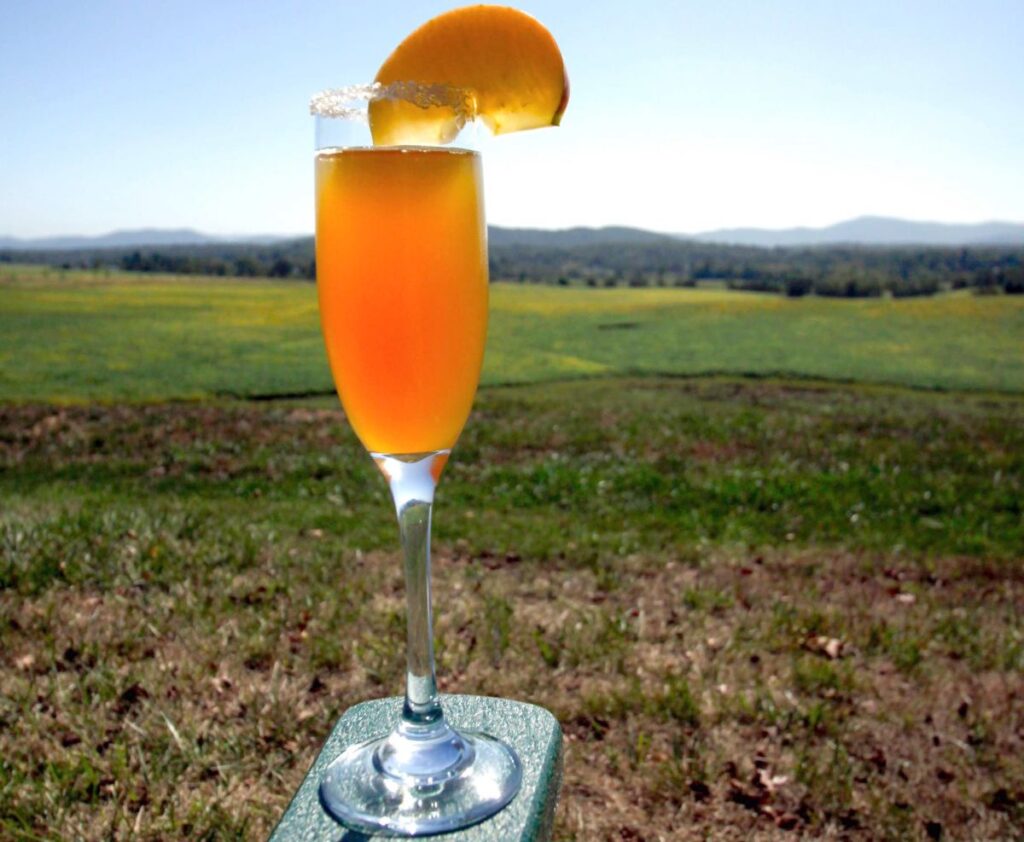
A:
x: 531, y: 731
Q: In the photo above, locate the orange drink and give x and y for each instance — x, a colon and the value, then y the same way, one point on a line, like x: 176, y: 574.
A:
x: 401, y: 265
x: 401, y: 257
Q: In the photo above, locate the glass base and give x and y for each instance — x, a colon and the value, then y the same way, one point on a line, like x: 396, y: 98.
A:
x: 414, y: 787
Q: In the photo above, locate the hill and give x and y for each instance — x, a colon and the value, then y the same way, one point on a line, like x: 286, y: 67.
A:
x: 572, y: 237
x: 135, y: 238
x: 865, y: 230
x: 873, y: 230
x: 115, y: 239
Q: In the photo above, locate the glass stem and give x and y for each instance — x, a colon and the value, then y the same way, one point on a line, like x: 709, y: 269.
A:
x: 421, y: 704
x: 412, y: 480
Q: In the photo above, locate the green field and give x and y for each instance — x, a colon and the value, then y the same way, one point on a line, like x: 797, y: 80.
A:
x: 761, y: 607
x: 76, y: 336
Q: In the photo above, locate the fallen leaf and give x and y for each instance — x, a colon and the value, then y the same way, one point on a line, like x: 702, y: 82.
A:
x: 831, y: 647
x: 739, y: 794
x: 130, y: 697
x: 787, y: 821
x: 701, y: 791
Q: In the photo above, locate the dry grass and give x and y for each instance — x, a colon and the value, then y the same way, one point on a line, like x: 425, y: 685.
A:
x: 176, y: 648
x: 730, y: 698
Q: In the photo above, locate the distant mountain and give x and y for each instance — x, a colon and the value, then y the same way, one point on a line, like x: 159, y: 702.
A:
x: 571, y: 237
x: 865, y: 230
x: 138, y: 238
x: 152, y: 237
x: 874, y: 231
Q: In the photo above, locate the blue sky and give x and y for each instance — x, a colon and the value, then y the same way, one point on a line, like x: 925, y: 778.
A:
x: 684, y: 116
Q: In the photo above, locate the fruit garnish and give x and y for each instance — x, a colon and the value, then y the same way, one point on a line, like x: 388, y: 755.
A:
x: 506, y: 63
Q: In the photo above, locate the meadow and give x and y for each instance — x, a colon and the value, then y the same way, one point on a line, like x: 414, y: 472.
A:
x: 780, y: 599
x: 80, y: 336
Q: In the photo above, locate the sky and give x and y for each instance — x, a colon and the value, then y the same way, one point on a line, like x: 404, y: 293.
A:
x: 684, y: 116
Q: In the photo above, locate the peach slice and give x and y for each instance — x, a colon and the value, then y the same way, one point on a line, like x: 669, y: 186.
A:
x: 506, y: 63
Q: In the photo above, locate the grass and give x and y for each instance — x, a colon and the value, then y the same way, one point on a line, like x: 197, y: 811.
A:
x: 759, y: 606
x: 79, y: 336
x: 756, y: 607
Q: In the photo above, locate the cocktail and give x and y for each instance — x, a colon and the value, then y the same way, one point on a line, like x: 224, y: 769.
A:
x: 402, y: 269
x: 403, y: 289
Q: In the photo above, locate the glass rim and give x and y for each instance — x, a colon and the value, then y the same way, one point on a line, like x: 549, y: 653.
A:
x: 352, y: 102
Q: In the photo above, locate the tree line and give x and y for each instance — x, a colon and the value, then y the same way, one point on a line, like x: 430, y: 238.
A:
x: 288, y: 259
x: 840, y: 271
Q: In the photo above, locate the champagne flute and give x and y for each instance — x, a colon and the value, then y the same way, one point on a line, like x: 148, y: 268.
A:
x: 401, y: 257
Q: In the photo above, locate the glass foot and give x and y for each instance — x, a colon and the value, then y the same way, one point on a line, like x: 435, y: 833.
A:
x: 411, y: 788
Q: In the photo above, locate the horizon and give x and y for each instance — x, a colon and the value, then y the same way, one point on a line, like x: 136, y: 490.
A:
x: 689, y: 120
x: 240, y: 237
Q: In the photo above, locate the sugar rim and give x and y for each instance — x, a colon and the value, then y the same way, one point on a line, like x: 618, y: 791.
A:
x: 350, y: 102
